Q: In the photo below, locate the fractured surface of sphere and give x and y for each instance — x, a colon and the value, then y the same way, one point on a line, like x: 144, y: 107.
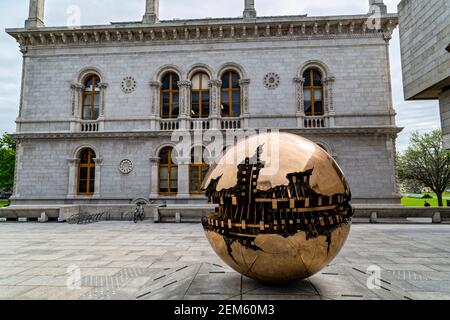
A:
x: 283, y: 208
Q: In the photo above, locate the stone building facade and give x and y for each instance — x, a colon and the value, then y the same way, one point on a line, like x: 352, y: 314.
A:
x: 99, y: 104
x: 425, y: 48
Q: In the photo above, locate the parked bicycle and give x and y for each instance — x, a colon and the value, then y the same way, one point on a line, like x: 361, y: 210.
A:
x: 139, y: 213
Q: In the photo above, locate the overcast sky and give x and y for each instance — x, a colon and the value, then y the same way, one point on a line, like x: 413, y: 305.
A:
x: 413, y: 116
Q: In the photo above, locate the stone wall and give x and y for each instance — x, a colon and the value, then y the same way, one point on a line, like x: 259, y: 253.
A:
x: 424, y: 35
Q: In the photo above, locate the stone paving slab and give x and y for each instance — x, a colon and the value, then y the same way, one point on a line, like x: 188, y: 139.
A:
x: 146, y: 261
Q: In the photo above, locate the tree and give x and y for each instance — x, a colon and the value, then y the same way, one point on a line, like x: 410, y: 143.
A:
x: 427, y: 162
x: 7, y: 162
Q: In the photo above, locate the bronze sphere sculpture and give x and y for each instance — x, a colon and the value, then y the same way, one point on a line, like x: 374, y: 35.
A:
x: 283, y: 209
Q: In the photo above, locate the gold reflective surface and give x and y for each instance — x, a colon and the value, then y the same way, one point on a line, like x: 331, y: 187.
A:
x: 284, y: 211
x: 282, y: 153
x: 280, y: 259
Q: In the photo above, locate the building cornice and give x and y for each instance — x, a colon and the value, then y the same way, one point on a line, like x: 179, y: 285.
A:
x: 145, y: 134
x: 214, y: 30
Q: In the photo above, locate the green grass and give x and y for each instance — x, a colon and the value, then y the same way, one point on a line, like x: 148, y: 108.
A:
x: 3, y: 203
x: 409, y: 202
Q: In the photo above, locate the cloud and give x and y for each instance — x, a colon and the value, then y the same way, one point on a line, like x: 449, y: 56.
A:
x: 418, y: 115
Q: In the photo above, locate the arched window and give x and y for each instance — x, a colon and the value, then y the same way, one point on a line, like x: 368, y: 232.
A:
x: 200, y: 96
x: 168, y: 172
x: 198, y: 169
x: 91, y: 98
x: 170, y: 96
x: 230, y: 95
x: 86, y: 172
x: 313, y: 92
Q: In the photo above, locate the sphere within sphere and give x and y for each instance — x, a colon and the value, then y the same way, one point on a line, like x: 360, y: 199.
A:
x: 283, y: 208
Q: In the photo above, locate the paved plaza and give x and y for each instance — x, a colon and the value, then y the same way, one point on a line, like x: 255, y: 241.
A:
x: 121, y: 260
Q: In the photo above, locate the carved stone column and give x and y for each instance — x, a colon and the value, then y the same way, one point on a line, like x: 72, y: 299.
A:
x: 73, y: 172
x: 77, y: 96
x: 155, y: 111
x: 101, y: 124
x: 154, y: 176
x: 245, y: 84
x: 300, y: 113
x: 185, y: 94
x: 183, y: 176
x: 328, y: 99
x: 98, y: 170
x: 215, y: 86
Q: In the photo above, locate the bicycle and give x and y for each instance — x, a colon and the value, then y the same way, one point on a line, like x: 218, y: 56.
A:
x: 139, y: 213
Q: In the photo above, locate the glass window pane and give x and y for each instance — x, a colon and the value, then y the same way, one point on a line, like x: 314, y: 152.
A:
x: 205, y: 104
x: 82, y: 186
x: 96, y: 113
x: 225, y: 106
x: 166, y: 82
x: 91, y: 185
x: 163, y: 179
x: 317, y: 95
x: 173, y: 179
x: 165, y: 105
x: 175, y: 80
x: 87, y: 113
x: 318, y: 108
x: 194, y: 184
x: 307, y: 95
x: 164, y: 156
x: 97, y: 99
x: 84, y: 156
x: 308, y: 107
x: 236, y: 103
x: 175, y: 105
x: 307, y: 76
x: 195, y: 107
x: 317, y: 78
x: 226, y: 80
x: 196, y: 82
x: 235, y: 80
x: 83, y: 173
x: 205, y: 82
x: 88, y: 84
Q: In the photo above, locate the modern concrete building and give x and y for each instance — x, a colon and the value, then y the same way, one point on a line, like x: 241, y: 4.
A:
x: 99, y: 104
x: 425, y: 48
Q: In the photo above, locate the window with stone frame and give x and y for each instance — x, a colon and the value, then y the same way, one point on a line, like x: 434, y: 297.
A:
x: 198, y: 169
x: 91, y: 98
x: 230, y: 97
x: 168, y: 172
x: 200, y: 98
x: 170, y: 96
x: 86, y: 172
x: 313, y: 93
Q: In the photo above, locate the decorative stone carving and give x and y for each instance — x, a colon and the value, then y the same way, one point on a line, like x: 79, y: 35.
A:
x: 184, y: 87
x: 244, y: 83
x: 128, y: 84
x: 299, y: 87
x: 126, y: 166
x: 271, y: 81
x: 328, y: 93
x: 155, y: 87
x: 215, y: 86
x: 76, y: 94
x: 320, y: 29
